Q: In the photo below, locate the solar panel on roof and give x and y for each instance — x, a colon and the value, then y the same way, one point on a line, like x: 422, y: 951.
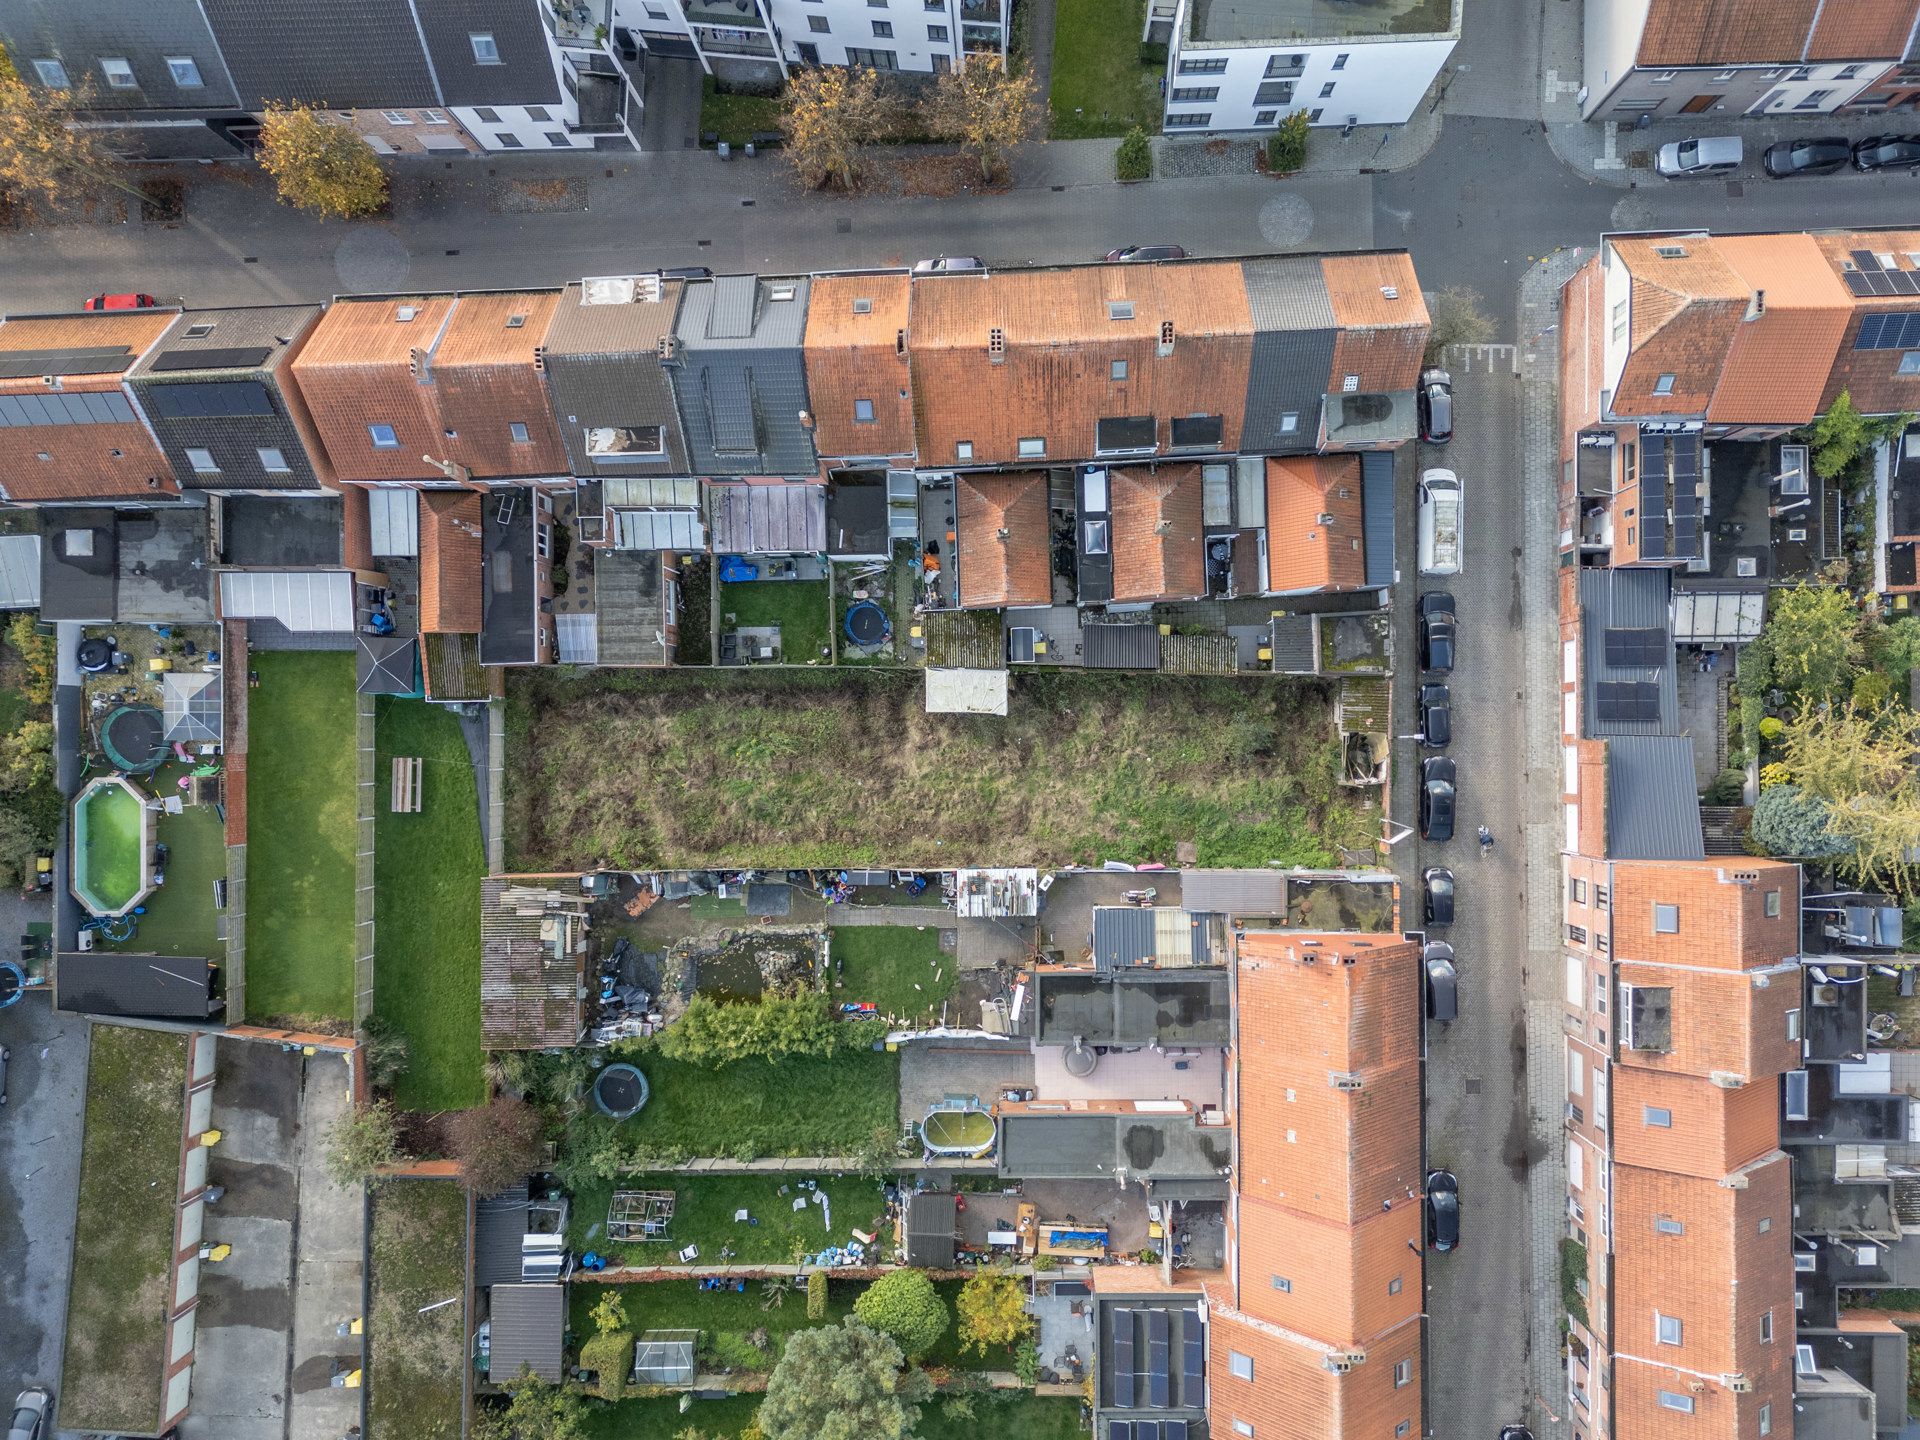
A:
x: 1120, y: 1430
x: 1158, y: 1388
x: 1889, y: 330
x: 1857, y: 283
x: 222, y: 398
x: 1146, y: 1430
x: 1123, y: 1386
x: 1904, y: 282
x: 1196, y: 1356
x: 1635, y: 646
x: 1173, y: 1430
x: 1879, y: 283
x: 1627, y: 700
x: 1865, y: 260
x: 1686, y: 454
x: 1157, y: 1328
x: 91, y: 360
x: 250, y: 358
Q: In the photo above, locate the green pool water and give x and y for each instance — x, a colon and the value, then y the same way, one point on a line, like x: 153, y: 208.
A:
x: 957, y: 1132
x: 108, y: 863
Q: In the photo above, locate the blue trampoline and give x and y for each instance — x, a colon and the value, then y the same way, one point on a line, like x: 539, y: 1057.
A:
x: 867, y: 624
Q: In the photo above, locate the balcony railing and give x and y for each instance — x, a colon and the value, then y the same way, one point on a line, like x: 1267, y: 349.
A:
x: 575, y: 22
x: 759, y: 45
x: 981, y: 38
x: 988, y: 12
x: 743, y: 14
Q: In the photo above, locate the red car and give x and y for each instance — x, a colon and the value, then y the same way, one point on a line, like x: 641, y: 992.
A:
x: 131, y: 301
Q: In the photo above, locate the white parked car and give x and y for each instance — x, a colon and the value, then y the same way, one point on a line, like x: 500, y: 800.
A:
x: 1440, y: 507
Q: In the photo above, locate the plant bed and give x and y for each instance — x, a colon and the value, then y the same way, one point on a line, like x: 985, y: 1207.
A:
x: 1101, y: 85
x: 736, y: 118
x: 695, y: 645
x: 659, y: 1417
x: 726, y: 1318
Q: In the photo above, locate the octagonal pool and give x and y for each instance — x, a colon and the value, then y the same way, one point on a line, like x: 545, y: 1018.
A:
x: 112, y: 846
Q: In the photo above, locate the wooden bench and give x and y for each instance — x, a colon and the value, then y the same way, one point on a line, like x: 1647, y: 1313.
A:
x: 406, y: 785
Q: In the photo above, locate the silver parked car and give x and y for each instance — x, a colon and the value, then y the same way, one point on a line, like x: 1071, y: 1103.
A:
x: 30, y: 1415
x: 1711, y: 155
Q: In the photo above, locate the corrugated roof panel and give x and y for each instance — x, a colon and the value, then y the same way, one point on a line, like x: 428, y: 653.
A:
x: 302, y: 600
x: 658, y: 530
x: 578, y: 637
x: 1653, y: 809
x: 730, y: 313
x: 1376, y: 502
x: 1626, y: 598
x: 617, y: 490
x: 395, y: 521
x: 19, y: 572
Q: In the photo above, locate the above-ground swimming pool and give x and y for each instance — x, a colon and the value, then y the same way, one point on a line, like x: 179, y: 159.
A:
x: 112, y: 844
x: 957, y: 1130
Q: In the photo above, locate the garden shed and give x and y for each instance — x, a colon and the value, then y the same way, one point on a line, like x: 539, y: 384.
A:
x: 529, y: 1330
x: 930, y: 1223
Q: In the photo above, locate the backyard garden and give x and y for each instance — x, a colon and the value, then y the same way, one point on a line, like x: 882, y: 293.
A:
x: 30, y: 805
x: 900, y: 970
x: 726, y: 769
x: 1105, y: 81
x: 799, y: 609
x: 786, y: 1217
x: 302, y: 781
x: 181, y: 917
x: 426, y: 973
x: 416, y: 1377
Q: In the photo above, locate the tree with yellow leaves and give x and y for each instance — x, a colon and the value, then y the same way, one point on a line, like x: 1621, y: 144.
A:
x: 986, y: 108
x: 43, y: 159
x: 320, y: 164
x: 1864, y: 765
x: 830, y: 114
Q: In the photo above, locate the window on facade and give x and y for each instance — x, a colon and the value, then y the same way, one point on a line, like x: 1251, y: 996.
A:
x: 1280, y: 1282
x: 1189, y: 121
x: 185, y: 71
x: 1198, y: 432
x: 1621, y: 312
x: 1576, y: 935
x: 963, y: 450
x: 1666, y: 1328
x: 1313, y: 116
x: 1766, y: 1419
x: 1274, y: 92
x: 863, y: 411
x: 1203, y: 67
x: 1802, y: 72
x: 1666, y: 919
x: 517, y: 429
x: 1032, y: 448
x: 1848, y: 72
x: 883, y: 29
x: 1793, y: 1024
x: 1658, y: 1116
x: 1401, y: 1430
x: 1241, y: 1427
x: 52, y: 74
x: 1666, y: 1226
x: 1669, y: 1400
x: 396, y: 117
x: 383, y: 437
x: 1664, y: 385
x: 1766, y: 1327
x: 509, y: 142
x: 439, y: 117
x: 274, y: 461
x: 817, y: 24
x: 486, y: 115
x: 1326, y: 91
x: 1265, y: 117
x: 1402, y: 1373
x: 485, y: 51
x: 1599, y: 897
x: 1814, y: 99
x: 1395, y: 1285
x: 1240, y: 1365
x: 1665, y: 77
x: 1771, y: 904
x: 938, y: 34
x: 1340, y: 61
x: 1599, y: 994
x: 202, y: 462
x: 119, y: 74
x: 1577, y: 891
x: 1116, y: 370
x: 1281, y: 66
x: 1196, y: 94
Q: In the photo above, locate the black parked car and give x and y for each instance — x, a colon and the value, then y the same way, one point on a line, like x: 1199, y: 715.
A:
x: 1436, y: 798
x: 1443, y: 1210
x: 1815, y: 155
x: 1436, y: 717
x: 1515, y: 1432
x: 1436, y: 406
x: 1887, y: 152
x: 1443, y: 990
x: 1437, y: 906
x: 1436, y: 632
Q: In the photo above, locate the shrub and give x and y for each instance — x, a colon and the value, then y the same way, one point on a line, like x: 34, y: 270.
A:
x: 360, y: 1142
x: 609, y: 1355
x: 40, y: 654
x: 1772, y: 728
x: 1726, y: 788
x: 1775, y: 774
x: 1153, y: 54
x: 775, y: 1027
x: 1793, y: 825
x: 903, y: 1305
x: 496, y: 1144
x: 1134, y: 159
x: 1573, y: 1270
x: 735, y: 1350
x: 1872, y: 689
x: 1287, y: 146
x: 817, y: 1295
x: 1026, y: 1363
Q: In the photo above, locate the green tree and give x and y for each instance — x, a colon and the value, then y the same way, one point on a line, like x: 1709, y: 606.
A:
x: 319, y: 164
x: 1895, y: 648
x: 1134, y: 159
x: 497, y: 1144
x: 1842, y: 435
x: 1793, y: 825
x: 1457, y: 319
x: 837, y: 1383
x: 26, y: 756
x: 832, y: 114
x: 1810, y: 646
x: 993, y: 1311
x: 537, y: 1411
x: 40, y: 654
x: 903, y: 1305
x: 1287, y: 145
x: 19, y: 847
x: 362, y: 1141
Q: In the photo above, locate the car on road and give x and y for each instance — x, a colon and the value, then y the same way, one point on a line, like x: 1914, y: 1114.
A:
x: 1443, y: 1210
x: 1443, y: 988
x: 1706, y: 155
x: 1436, y: 406
x: 1437, y: 624
x: 1437, y: 776
x: 1436, y: 905
x: 132, y: 300
x: 1148, y: 252
x: 949, y: 265
x: 1814, y: 155
x: 1515, y: 1432
x: 30, y: 1414
x: 1887, y: 152
x: 1440, y: 515
x: 5, y: 1055
x: 1436, y: 717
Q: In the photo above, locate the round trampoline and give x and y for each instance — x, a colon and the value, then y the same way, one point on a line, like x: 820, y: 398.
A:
x: 620, y: 1091
x: 13, y: 983
x: 867, y: 623
x: 131, y: 736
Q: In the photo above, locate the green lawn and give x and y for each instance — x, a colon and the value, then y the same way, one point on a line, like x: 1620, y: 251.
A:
x: 659, y: 1418
x: 724, y: 1317
x: 1005, y: 1415
x: 301, y: 781
x: 416, y: 1363
x: 736, y: 118
x: 181, y: 918
x: 1100, y: 87
x: 703, y: 1211
x: 894, y: 967
x: 123, y: 1230
x: 798, y: 607
x: 426, y: 971
x: 802, y: 1106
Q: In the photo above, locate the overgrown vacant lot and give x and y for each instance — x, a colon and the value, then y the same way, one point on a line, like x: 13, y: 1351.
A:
x: 799, y: 769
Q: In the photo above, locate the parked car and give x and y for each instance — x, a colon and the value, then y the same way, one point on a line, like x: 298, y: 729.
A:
x: 30, y: 1414
x: 1436, y: 632
x: 1515, y: 1432
x: 1436, y: 906
x: 1443, y: 990
x: 5, y: 1055
x: 1436, y: 717
x: 1440, y: 515
x: 949, y: 264
x: 1436, y: 406
x: 1815, y: 155
x: 132, y: 300
x: 1148, y: 252
x: 1443, y: 1210
x: 1690, y: 159
x: 1437, y: 776
x: 1887, y: 152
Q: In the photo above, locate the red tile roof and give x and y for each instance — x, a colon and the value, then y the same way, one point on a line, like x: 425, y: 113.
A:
x: 1158, y: 551
x: 1002, y: 556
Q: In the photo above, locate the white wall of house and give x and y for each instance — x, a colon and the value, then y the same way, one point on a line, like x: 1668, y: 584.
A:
x: 925, y: 36
x: 1616, y: 291
x: 1366, y: 80
x: 1612, y: 37
x: 1818, y: 89
x: 518, y: 127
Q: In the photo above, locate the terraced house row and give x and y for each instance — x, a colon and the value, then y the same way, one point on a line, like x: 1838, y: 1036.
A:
x: 1087, y: 440
x: 1739, y: 1135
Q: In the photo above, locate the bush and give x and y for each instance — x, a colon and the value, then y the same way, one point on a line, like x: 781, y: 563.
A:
x: 736, y: 1350
x: 817, y: 1295
x: 1153, y: 54
x: 610, y: 1356
x: 1573, y: 1270
x: 1726, y: 788
x: 1775, y: 774
x: 1772, y: 727
x: 1026, y: 1363
x: 1134, y: 159
x: 360, y: 1142
x: 497, y: 1145
x: 1872, y: 689
x: 1287, y: 146
x: 903, y: 1305
x: 1793, y: 826
x: 775, y: 1027
x: 39, y: 652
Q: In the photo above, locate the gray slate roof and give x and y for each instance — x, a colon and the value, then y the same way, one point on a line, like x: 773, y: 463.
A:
x: 499, y: 1223
x: 931, y: 1219
x: 603, y: 369
x: 740, y: 382
x: 529, y: 1329
x: 1260, y: 893
x: 1294, y: 331
x: 142, y: 32
x: 343, y: 53
x: 271, y: 327
x: 1631, y: 599
x: 1653, y: 809
x: 525, y: 74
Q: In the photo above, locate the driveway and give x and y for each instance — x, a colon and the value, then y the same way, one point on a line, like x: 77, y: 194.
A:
x: 39, y: 1186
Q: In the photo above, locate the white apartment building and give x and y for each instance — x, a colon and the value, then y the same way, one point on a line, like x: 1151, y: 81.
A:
x: 1237, y: 65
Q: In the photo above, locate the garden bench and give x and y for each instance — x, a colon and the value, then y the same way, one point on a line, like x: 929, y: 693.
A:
x: 406, y: 785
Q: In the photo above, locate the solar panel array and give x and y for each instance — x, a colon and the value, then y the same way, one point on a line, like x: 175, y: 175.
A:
x: 1157, y: 1357
x: 1193, y: 1373
x: 250, y: 358
x: 107, y: 407
x: 81, y: 360
x: 1627, y: 700
x: 1890, y: 330
x: 1636, y: 647
x: 1120, y: 1345
x: 1139, y: 1355
x: 1870, y: 277
x: 1147, y: 1430
x: 231, y: 397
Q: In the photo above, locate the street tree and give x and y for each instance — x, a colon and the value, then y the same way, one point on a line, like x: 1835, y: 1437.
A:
x: 319, y: 164
x: 1457, y: 319
x: 986, y: 108
x: 832, y: 113
x: 904, y: 1306
x: 993, y: 1311
x: 837, y: 1382
x: 44, y: 158
x: 497, y: 1144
